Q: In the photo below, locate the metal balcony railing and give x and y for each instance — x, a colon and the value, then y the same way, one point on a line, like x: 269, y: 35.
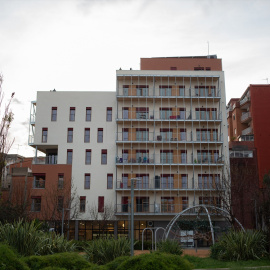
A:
x: 245, y: 116
x: 244, y: 100
x: 46, y: 160
x: 247, y: 131
x: 241, y: 154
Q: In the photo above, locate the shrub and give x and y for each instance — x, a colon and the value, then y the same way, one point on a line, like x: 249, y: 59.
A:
x: 155, y: 261
x: 146, y: 245
x: 62, y: 260
x: 116, y: 262
x: 9, y: 260
x: 170, y: 246
x: 240, y: 245
x: 102, y: 251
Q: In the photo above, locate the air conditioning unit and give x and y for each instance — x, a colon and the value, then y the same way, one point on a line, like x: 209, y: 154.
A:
x: 150, y: 223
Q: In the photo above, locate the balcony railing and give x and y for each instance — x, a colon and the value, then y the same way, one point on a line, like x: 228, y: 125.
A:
x: 247, y: 131
x: 145, y: 136
x: 244, y: 100
x: 168, y: 115
x: 169, y: 92
x: 46, y: 160
x: 159, y: 209
x: 246, y: 138
x: 163, y: 184
x: 245, y: 116
x: 168, y: 160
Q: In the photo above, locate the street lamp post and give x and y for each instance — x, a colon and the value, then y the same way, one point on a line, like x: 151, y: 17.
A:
x: 63, y: 210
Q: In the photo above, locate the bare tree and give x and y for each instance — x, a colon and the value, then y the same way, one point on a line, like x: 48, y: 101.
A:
x: 103, y: 217
x: 6, y: 120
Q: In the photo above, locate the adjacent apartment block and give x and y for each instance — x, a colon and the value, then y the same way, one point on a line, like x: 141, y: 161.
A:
x: 164, y: 127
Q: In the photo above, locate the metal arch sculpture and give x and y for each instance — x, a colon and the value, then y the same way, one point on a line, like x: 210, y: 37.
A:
x: 151, y: 229
x: 202, y: 206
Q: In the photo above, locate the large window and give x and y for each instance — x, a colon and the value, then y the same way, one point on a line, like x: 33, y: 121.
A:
x: 142, y: 134
x: 125, y: 134
x: 142, y: 181
x: 82, y: 203
x: 166, y: 134
x: 208, y: 156
x: 44, y: 134
x: 165, y: 90
x: 166, y: 156
x: 185, y: 203
x: 87, y: 135
x: 183, y: 134
x: 87, y: 177
x: 142, y: 90
x: 104, y: 156
x: 88, y: 153
x: 72, y: 114
x: 70, y: 135
x: 142, y: 113
x: 167, y: 181
x: 184, y: 178
x: 142, y: 156
x: 109, y: 114
x: 100, y: 204
x: 88, y: 114
x: 54, y: 114
x: 69, y: 156
x: 165, y: 113
x: 100, y: 135
x: 36, y: 203
x: 167, y: 204
x: 109, y: 181
x: 142, y: 204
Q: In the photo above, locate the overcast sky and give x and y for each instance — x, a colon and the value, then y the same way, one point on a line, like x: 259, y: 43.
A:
x: 76, y: 45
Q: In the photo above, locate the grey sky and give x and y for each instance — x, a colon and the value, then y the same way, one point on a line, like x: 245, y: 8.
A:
x: 76, y: 45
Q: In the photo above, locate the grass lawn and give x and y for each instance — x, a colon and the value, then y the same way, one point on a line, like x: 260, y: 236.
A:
x: 200, y: 263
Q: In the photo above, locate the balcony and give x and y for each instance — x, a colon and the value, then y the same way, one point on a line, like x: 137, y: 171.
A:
x: 247, y: 131
x: 246, y: 117
x: 168, y: 159
x: 168, y: 115
x: 241, y: 154
x: 52, y: 159
x: 249, y: 138
x: 244, y: 103
x: 162, y: 184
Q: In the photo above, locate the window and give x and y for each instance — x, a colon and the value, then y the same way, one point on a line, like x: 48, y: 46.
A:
x: 184, y: 180
x: 60, y: 181
x: 125, y: 134
x: 233, y: 116
x: 88, y: 114
x: 109, y: 181
x: 142, y: 156
x: 72, y: 114
x: 88, y: 153
x: 142, y: 204
x: 36, y: 203
x: 173, y: 68
x: 205, y: 181
x: 60, y: 203
x: 181, y: 90
x: 167, y: 181
x: 87, y: 177
x: 87, y: 135
x: 184, y: 203
x: 125, y: 112
x: 125, y: 90
x: 165, y: 90
x: 142, y: 134
x: 109, y: 114
x: 166, y: 134
x: 69, y: 156
x: 142, y: 113
x: 44, y: 134
x: 167, y: 204
x: 143, y: 181
x: 54, y: 114
x: 165, y: 113
x: 82, y: 203
x: 142, y: 90
x: 39, y: 181
x: 100, y: 135
x: 125, y: 204
x: 183, y: 134
x: 70, y: 135
x: 103, y: 156
x: 100, y: 204
x: 166, y: 156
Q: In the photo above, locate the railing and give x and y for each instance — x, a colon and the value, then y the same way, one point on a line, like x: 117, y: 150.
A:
x: 168, y: 115
x: 168, y: 160
x: 246, y: 138
x: 245, y: 116
x: 244, y: 100
x: 145, y: 136
x: 46, y: 160
x: 169, y: 92
x: 241, y: 154
x: 247, y: 131
x: 163, y: 184
x: 160, y: 208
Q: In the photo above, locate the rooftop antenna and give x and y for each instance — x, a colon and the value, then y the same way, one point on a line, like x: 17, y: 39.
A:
x: 266, y: 80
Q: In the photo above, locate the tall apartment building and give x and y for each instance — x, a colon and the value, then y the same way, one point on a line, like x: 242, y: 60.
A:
x: 164, y: 127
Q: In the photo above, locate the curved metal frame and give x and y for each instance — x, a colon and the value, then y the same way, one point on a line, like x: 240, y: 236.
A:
x: 171, y: 223
x: 151, y: 229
